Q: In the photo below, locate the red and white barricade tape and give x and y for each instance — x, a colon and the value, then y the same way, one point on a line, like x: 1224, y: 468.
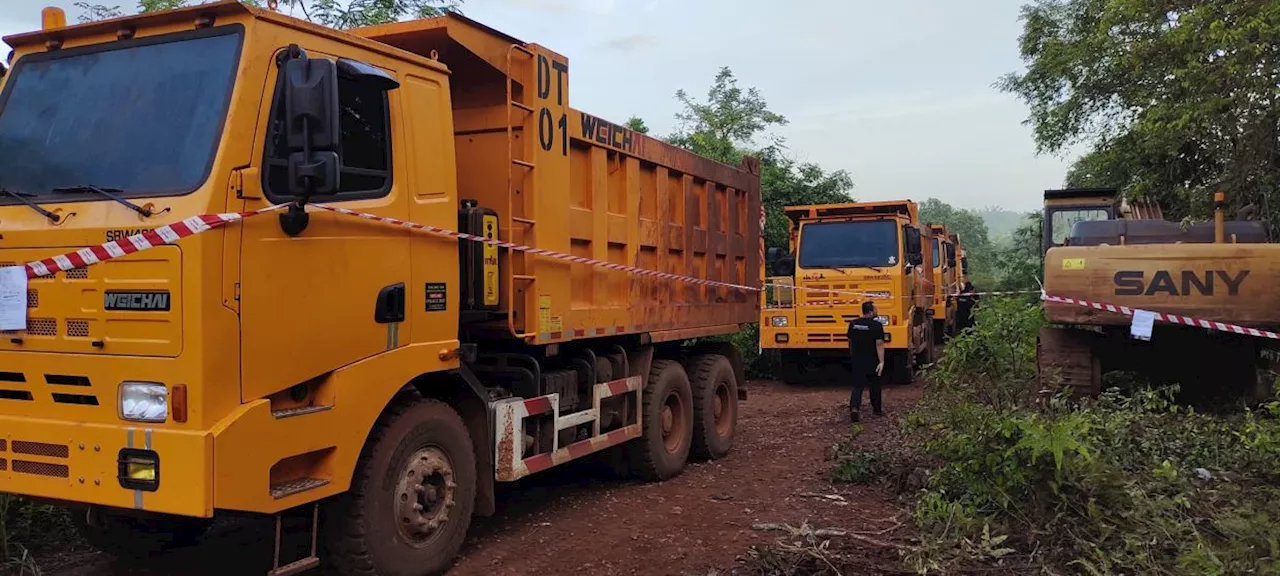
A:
x: 167, y: 234
x: 171, y: 233
x: 1163, y: 317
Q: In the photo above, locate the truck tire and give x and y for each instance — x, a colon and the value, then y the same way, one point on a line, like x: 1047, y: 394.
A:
x: 667, y: 417
x: 898, y: 368
x: 137, y: 538
x: 410, y: 502
x: 715, y: 405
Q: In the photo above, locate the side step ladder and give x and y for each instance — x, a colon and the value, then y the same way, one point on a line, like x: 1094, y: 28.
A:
x: 520, y: 183
x: 297, y: 566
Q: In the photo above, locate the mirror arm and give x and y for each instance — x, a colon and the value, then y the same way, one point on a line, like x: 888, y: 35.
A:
x: 295, y: 218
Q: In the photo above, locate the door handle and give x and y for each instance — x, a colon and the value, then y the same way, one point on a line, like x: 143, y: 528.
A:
x: 390, y: 305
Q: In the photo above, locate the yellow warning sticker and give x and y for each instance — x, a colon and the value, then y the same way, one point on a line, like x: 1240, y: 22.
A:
x: 490, y: 261
x: 1073, y: 263
x: 544, y: 313
x: 557, y: 324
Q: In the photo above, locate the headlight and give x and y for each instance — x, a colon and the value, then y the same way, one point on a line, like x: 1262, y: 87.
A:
x: 144, y: 402
x: 778, y: 321
x: 883, y: 320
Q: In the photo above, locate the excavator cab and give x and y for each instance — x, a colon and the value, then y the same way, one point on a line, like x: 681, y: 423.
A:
x: 1100, y: 217
x: 1063, y: 208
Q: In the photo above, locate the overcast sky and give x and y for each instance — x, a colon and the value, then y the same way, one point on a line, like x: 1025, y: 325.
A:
x: 897, y: 93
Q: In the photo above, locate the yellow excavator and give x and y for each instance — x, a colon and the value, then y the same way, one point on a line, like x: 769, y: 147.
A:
x: 1101, y: 249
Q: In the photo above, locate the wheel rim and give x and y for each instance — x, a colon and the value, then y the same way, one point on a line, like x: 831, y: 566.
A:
x: 424, y: 496
x: 674, y: 423
x: 723, y: 410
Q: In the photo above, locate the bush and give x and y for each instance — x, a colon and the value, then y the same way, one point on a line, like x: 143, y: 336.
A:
x: 996, y: 358
x: 1127, y: 483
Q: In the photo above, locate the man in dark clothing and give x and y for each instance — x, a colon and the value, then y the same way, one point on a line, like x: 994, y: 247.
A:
x: 966, y: 303
x: 866, y: 350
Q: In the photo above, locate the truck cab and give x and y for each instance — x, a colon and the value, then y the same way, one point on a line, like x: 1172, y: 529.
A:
x: 945, y: 282
x: 842, y: 255
x: 962, y: 257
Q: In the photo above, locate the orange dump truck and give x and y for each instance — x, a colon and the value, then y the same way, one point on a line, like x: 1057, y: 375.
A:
x: 275, y: 361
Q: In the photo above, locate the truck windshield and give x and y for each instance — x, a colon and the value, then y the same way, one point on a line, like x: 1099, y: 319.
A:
x: 849, y: 244
x: 143, y: 117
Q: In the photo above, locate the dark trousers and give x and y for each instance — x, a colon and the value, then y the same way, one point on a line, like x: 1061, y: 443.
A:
x: 864, y: 377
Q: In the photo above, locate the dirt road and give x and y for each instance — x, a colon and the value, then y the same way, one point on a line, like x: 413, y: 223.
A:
x: 577, y: 521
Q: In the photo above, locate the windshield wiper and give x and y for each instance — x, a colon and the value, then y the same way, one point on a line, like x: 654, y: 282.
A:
x: 25, y: 198
x: 111, y: 193
x: 841, y: 268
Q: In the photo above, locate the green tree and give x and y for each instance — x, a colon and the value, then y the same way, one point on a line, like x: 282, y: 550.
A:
x: 356, y: 13
x: 967, y: 224
x: 157, y: 5
x: 1021, y: 263
x: 637, y: 124
x: 341, y: 14
x: 726, y: 126
x: 94, y: 12
x: 1175, y: 99
x: 971, y: 229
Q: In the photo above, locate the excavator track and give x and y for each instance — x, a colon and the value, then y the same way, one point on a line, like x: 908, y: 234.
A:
x: 1065, y: 357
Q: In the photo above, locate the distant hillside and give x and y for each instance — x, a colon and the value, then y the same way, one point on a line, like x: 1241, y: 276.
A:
x: 1000, y: 222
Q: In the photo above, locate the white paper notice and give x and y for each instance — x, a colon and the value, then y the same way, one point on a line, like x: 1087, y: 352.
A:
x: 1143, y: 322
x: 13, y: 298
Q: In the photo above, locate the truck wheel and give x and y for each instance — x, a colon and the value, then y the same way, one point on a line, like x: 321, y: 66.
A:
x: 411, y: 499
x: 898, y: 365
x: 132, y: 537
x: 715, y: 405
x: 667, y: 418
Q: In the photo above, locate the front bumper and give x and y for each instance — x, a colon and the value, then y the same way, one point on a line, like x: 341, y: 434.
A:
x: 79, y: 462
x: 822, y: 337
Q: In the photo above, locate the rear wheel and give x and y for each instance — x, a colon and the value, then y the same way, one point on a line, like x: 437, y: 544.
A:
x: 898, y: 366
x: 715, y: 405
x: 134, y: 537
x: 667, y: 416
x: 410, y: 502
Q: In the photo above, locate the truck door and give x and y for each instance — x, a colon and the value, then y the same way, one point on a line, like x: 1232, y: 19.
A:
x: 327, y: 297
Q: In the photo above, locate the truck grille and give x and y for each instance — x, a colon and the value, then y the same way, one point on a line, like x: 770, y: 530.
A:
x: 38, y: 449
x: 42, y: 327
x: 41, y: 469
x: 829, y: 318
x: 82, y: 394
x: 828, y: 338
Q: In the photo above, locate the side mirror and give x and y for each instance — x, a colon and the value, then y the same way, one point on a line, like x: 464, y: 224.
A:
x: 779, y: 263
x: 914, y: 245
x: 312, y: 129
x: 786, y: 266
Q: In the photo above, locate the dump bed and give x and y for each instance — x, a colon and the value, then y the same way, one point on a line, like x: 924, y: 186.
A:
x: 569, y: 182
